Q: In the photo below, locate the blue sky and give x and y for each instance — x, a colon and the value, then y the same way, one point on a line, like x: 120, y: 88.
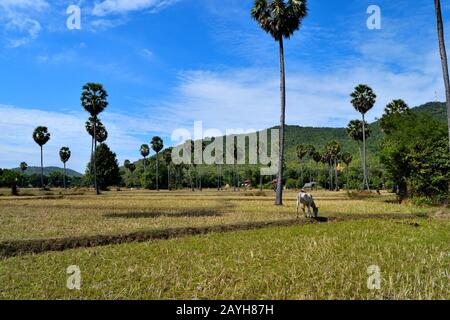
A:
x: 168, y: 63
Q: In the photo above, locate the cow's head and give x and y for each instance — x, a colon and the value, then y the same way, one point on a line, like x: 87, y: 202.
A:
x: 316, y: 212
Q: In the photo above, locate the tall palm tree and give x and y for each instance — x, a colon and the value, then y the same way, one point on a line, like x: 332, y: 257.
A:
x: 94, y: 100
x: 302, y: 151
x: 333, y: 149
x: 41, y: 136
x: 145, y: 151
x: 317, y: 157
x: 23, y: 167
x: 167, y: 155
x: 129, y: 165
x: 157, y: 145
x: 363, y: 99
x: 395, y: 107
x: 311, y: 151
x: 444, y: 61
x: 280, y: 19
x: 64, y: 155
x: 347, y: 158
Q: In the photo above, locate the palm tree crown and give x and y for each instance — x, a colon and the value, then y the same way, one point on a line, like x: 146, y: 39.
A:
x: 157, y: 144
x: 23, y: 166
x: 396, y: 107
x: 355, y: 130
x: 41, y: 136
x: 93, y: 98
x: 279, y: 18
x: 363, y: 98
x: 145, y: 150
x: 64, y: 154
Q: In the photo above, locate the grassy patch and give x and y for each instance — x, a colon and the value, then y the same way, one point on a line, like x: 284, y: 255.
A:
x: 325, y: 261
x: 72, y: 215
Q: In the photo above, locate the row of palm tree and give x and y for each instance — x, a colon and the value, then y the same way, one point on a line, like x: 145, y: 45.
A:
x: 281, y: 19
x: 41, y: 136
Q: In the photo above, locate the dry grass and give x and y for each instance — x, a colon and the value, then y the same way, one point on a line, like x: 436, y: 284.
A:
x: 326, y: 261
x: 56, y: 216
x: 316, y: 261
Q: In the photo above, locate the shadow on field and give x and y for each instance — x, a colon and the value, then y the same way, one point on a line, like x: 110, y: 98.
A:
x: 194, y: 213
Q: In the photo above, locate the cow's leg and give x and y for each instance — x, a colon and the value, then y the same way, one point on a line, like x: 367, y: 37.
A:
x: 304, y: 211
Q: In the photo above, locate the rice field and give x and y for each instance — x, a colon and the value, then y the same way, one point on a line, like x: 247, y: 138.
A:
x: 297, y: 261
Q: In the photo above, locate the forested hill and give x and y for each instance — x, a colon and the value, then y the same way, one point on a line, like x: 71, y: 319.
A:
x: 48, y: 170
x: 318, y: 137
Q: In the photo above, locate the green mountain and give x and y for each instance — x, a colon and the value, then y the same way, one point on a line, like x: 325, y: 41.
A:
x: 318, y: 137
x: 48, y: 170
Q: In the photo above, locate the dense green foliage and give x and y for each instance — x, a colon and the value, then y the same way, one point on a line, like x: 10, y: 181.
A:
x: 415, y: 155
x: 108, y: 173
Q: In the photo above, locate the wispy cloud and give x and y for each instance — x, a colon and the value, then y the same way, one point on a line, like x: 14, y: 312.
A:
x: 19, y: 19
x: 67, y: 129
x: 107, y: 7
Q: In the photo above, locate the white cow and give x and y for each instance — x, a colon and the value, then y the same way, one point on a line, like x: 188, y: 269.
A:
x: 306, y: 200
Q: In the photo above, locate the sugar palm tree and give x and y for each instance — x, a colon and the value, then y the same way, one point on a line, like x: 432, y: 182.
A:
x: 167, y: 155
x: 280, y: 19
x: 355, y: 132
x: 41, y: 136
x: 333, y: 150
x: 317, y: 157
x: 311, y: 151
x: 347, y: 158
x: 94, y: 100
x: 23, y: 167
x: 157, y: 145
x: 145, y: 151
x: 129, y: 165
x: 64, y: 155
x: 302, y: 151
x: 444, y: 61
x: 395, y: 107
x: 363, y: 99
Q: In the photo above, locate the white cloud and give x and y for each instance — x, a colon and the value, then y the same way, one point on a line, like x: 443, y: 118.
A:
x: 29, y: 29
x: 24, y: 4
x: 249, y: 98
x: 123, y: 6
x: 66, y: 129
x: 18, y: 18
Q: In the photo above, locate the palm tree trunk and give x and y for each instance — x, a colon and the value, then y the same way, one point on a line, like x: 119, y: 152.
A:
x: 65, y: 174
x: 347, y: 179
x: 42, y: 169
x: 366, y: 181
x: 157, y: 172
x: 168, y: 177
x: 190, y: 178
x: 95, y: 156
x: 92, y: 156
x: 336, y: 175
x: 310, y: 170
x: 330, y: 174
x: 145, y: 178
x: 444, y: 61
x: 260, y: 181
x: 279, y: 193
